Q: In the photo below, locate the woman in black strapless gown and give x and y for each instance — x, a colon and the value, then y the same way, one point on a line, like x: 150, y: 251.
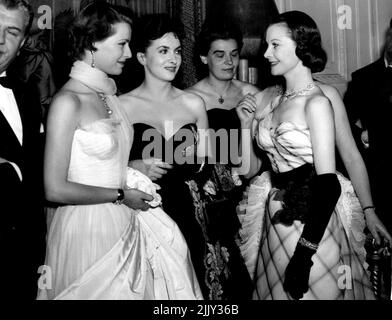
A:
x: 218, y: 46
x: 170, y: 129
x: 177, y: 200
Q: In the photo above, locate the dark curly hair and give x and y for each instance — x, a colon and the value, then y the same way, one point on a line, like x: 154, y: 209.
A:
x: 217, y: 29
x: 154, y: 26
x: 93, y: 23
x: 306, y: 35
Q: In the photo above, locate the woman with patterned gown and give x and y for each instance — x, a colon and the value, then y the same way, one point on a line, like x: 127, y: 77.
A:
x: 99, y: 244
x: 218, y: 48
x: 303, y: 225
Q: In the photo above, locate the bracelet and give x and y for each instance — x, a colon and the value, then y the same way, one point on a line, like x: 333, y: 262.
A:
x: 305, y: 243
x: 368, y: 207
x: 120, y: 197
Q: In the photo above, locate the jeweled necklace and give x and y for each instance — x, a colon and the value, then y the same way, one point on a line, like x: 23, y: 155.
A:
x: 103, y: 98
x: 295, y: 93
x: 221, y: 100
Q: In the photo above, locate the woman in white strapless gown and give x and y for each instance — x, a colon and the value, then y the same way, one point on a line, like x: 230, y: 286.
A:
x: 105, y: 241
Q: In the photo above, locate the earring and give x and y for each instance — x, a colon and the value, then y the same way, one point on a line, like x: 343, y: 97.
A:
x: 92, y: 59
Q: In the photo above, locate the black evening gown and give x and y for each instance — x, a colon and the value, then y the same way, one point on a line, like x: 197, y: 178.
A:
x: 214, y: 253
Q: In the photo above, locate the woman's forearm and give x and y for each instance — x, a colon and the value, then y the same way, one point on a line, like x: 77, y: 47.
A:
x: 360, y: 179
x: 78, y: 194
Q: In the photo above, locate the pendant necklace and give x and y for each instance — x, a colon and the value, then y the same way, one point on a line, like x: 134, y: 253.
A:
x: 221, y: 100
x: 103, y: 98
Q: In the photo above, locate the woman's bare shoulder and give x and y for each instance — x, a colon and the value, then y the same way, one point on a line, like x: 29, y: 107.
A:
x: 246, y: 87
x: 330, y: 91
x: 191, y: 99
x: 68, y: 98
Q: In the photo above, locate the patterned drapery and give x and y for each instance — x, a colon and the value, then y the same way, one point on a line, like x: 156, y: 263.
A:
x: 139, y: 7
x: 191, y: 13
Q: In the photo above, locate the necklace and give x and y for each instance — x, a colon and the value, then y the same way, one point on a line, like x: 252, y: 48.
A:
x: 295, y: 93
x: 221, y: 100
x: 103, y: 98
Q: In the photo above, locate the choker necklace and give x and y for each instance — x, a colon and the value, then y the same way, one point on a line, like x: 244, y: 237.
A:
x: 295, y: 93
x: 221, y: 100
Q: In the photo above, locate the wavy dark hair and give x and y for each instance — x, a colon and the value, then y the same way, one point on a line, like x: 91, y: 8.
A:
x: 23, y: 5
x: 217, y: 29
x: 305, y: 33
x: 151, y: 27
x: 93, y: 23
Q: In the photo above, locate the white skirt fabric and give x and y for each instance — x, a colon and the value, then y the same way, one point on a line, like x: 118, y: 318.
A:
x: 109, y: 251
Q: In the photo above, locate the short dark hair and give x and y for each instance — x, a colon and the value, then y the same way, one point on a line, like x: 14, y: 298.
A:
x: 150, y: 27
x: 217, y: 29
x: 92, y: 24
x: 305, y: 33
x: 24, y: 6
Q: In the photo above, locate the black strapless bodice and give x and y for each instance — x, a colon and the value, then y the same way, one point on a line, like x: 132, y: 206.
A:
x: 223, y: 118
x: 178, y: 150
x: 208, y: 227
x: 227, y: 120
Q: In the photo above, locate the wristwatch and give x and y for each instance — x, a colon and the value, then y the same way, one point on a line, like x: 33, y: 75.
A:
x: 120, y: 197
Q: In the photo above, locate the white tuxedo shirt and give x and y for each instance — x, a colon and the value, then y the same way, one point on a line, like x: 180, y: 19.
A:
x: 9, y: 108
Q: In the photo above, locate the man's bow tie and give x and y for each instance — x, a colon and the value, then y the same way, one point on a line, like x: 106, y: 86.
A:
x: 5, y: 82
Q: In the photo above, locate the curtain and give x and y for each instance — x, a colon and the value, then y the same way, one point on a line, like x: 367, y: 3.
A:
x: 139, y: 7
x: 252, y: 16
x: 191, y: 13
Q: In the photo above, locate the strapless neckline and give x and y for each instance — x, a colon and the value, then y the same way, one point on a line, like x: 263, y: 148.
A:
x: 98, y: 122
x: 221, y: 109
x: 162, y: 135
x: 274, y: 129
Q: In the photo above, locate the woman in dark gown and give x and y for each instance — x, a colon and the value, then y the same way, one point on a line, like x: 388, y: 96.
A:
x: 171, y: 146
x: 218, y: 46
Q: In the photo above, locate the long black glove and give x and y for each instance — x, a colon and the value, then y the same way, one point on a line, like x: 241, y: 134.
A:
x: 325, y: 190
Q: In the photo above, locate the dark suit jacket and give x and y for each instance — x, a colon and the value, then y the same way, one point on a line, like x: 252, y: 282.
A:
x: 369, y: 98
x: 22, y: 221
x: 28, y: 156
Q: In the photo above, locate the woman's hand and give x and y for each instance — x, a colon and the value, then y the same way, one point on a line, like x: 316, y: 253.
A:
x: 365, y: 139
x: 136, y: 199
x: 376, y: 227
x: 153, y: 168
x: 246, y: 109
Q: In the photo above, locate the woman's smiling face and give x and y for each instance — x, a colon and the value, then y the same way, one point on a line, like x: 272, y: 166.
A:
x: 281, y: 49
x: 163, y: 57
x: 112, y: 52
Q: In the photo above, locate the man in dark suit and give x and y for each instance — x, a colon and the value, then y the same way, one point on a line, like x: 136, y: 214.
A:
x: 22, y: 231
x: 369, y: 104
